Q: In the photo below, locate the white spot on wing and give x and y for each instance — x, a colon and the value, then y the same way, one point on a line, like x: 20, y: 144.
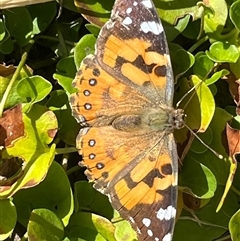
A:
x: 156, y: 239
x: 166, y: 214
x: 167, y: 237
x: 131, y: 220
x: 151, y: 26
x: 147, y: 3
x: 127, y: 21
x: 150, y: 233
x: 135, y: 3
x: 129, y: 10
x: 146, y: 222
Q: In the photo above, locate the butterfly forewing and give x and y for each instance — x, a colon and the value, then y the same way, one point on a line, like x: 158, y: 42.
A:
x: 124, y: 98
x: 135, y: 50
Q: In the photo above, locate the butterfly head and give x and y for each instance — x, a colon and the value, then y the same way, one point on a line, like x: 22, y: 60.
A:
x: 177, y: 118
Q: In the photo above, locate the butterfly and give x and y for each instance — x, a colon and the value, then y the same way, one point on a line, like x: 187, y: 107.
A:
x: 124, y: 104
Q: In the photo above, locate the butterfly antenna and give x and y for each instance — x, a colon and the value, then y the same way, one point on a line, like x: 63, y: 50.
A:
x: 186, y: 94
x: 201, y: 141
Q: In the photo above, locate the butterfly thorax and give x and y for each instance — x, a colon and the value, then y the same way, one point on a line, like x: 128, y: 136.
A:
x: 166, y: 119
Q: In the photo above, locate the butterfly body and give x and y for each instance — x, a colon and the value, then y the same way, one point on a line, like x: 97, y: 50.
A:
x: 124, y: 103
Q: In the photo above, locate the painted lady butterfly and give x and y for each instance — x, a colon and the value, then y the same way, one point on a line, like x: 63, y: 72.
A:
x: 124, y: 102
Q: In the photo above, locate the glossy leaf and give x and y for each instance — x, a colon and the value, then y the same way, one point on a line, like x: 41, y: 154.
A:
x: 86, y: 197
x: 234, y: 13
x: 19, y: 24
x: 86, y: 226
x: 55, y: 197
x: 33, y: 89
x: 183, y: 60
x: 2, y: 30
x: 125, y: 232
x: 100, y: 13
x: 40, y: 20
x: 198, y: 105
x: 85, y: 46
x: 223, y: 52
x: 234, y: 226
x: 203, y: 65
x: 66, y: 71
x: 215, y: 18
x: 203, y: 184
x: 8, y: 218
x: 44, y: 225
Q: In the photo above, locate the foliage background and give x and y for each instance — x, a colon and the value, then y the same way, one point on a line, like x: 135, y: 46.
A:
x: 44, y: 193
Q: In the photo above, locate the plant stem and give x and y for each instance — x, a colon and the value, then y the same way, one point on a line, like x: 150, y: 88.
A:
x: 198, y: 43
x: 13, y: 79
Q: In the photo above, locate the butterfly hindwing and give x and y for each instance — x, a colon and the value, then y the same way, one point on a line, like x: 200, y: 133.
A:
x: 137, y: 174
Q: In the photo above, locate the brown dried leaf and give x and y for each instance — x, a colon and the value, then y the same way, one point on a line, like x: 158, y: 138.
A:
x: 233, y: 137
x: 11, y: 126
x: 6, y: 70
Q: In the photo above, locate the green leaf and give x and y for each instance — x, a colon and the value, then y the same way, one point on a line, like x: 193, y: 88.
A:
x: 172, y: 33
x: 216, y: 76
x: 86, y: 197
x: 19, y: 24
x: 220, y: 168
x: 6, y: 46
x: 53, y: 193
x: 44, y: 225
x: 58, y: 100
x: 8, y: 218
x: 223, y: 52
x: 95, y: 12
x: 202, y: 184
x: 68, y: 126
x: 2, y: 30
x: 200, y: 109
x: 234, y: 13
x: 235, y: 68
x: 33, y: 89
x: 178, y: 14
x: 87, y: 226
x: 206, y: 137
x: 182, y: 60
x: 93, y: 29
x: 85, y: 46
x: 234, y: 226
x: 65, y: 73
x: 41, y: 21
x: 125, y: 232
x: 13, y: 97
x: 203, y: 65
x: 215, y: 19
